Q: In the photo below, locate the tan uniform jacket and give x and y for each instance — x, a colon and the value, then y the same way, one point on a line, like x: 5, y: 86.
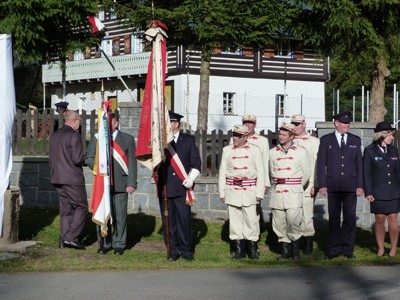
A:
x: 311, y: 144
x: 241, y: 162
x: 293, y: 164
x: 263, y: 144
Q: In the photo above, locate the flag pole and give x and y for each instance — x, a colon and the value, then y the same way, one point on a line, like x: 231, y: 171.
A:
x: 105, y: 106
x: 116, y: 72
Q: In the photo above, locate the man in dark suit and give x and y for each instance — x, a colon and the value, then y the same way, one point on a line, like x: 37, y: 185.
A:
x: 179, y: 210
x: 340, y: 176
x: 124, y: 181
x: 66, y: 158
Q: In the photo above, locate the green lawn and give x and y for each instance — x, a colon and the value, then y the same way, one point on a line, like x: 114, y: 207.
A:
x: 146, y: 249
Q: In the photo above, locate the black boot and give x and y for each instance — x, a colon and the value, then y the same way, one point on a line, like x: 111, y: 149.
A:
x: 240, y: 249
x: 296, y: 249
x: 252, y: 250
x: 308, y: 247
x: 286, y: 251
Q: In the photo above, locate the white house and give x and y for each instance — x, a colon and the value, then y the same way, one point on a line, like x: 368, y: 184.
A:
x: 254, y: 83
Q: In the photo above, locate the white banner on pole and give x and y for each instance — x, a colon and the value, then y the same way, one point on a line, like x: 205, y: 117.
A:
x: 7, y: 115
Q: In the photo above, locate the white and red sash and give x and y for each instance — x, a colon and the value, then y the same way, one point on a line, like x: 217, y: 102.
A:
x: 120, y: 156
x: 180, y: 170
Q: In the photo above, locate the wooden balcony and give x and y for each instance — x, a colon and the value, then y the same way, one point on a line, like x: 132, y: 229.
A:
x: 258, y: 65
x: 97, y: 68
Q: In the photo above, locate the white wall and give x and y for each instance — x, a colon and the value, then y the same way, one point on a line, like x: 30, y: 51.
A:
x: 255, y: 96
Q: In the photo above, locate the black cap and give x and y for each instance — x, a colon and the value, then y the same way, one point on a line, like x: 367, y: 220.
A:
x: 343, y: 117
x: 383, y: 126
x: 61, y: 104
x: 174, y: 116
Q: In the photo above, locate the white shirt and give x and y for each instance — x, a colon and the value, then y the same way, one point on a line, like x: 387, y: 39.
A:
x: 339, y: 138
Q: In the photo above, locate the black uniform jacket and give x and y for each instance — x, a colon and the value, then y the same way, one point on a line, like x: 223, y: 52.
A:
x: 382, y: 172
x: 340, y: 171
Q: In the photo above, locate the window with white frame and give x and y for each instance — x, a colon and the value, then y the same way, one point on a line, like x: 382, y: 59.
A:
x: 228, y: 102
x: 284, y: 48
x: 280, y: 104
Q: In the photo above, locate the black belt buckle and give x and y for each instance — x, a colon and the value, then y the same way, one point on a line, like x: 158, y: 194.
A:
x: 238, y: 182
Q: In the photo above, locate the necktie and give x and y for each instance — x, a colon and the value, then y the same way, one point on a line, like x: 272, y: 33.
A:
x: 384, y: 148
x: 342, y: 143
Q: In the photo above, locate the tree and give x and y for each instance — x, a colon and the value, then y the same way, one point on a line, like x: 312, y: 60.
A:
x: 43, y: 30
x: 46, y: 28
x: 362, y: 37
x: 206, y: 24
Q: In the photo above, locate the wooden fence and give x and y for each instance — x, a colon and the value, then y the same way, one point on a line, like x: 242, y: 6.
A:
x: 33, y: 129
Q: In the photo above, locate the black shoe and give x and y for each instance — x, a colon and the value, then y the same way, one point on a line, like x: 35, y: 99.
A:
x: 173, y: 258
x: 350, y: 256
x: 119, y: 251
x: 286, y: 251
x: 296, y: 250
x: 75, y: 245
x: 240, y: 251
x: 329, y: 257
x: 188, y: 257
x: 252, y: 250
x: 61, y: 244
x: 308, y: 247
x: 104, y: 250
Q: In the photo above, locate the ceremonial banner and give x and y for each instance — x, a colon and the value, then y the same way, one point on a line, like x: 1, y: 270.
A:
x: 100, y: 200
x: 7, y: 115
x: 155, y: 129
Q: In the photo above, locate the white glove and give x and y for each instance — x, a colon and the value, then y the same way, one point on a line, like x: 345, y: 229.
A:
x: 188, y: 183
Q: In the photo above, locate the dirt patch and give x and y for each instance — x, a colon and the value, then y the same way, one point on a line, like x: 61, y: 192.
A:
x: 150, y: 246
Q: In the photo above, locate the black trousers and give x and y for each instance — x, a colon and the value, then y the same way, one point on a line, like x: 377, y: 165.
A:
x: 73, y: 211
x: 342, y: 236
x: 180, y: 226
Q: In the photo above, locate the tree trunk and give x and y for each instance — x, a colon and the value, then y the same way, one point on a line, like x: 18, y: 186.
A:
x: 377, y: 109
x: 202, y: 112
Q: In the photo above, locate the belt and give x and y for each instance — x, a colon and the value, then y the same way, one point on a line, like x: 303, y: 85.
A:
x: 241, y: 181
x: 287, y: 181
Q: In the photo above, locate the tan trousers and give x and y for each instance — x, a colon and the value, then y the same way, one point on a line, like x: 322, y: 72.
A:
x: 308, y: 214
x: 287, y: 224
x: 243, y: 223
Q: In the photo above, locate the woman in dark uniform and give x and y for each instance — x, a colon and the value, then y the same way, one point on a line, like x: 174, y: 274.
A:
x: 382, y: 185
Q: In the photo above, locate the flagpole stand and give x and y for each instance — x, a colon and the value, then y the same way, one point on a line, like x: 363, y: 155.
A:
x: 10, y: 217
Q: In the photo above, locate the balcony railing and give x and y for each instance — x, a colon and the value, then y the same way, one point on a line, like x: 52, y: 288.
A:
x: 256, y: 65
x: 90, y: 69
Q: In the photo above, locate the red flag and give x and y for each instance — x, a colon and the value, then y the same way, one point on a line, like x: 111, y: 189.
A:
x: 96, y: 24
x: 100, y: 201
x: 155, y: 129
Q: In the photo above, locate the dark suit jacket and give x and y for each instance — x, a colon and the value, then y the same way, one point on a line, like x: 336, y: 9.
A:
x: 382, y: 172
x: 66, y: 157
x: 336, y: 171
x: 189, y: 155
x: 120, y: 179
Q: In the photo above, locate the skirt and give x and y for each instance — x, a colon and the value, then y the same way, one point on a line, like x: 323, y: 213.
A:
x: 385, y: 207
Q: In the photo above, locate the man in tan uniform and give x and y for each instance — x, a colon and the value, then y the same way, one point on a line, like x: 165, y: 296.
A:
x: 311, y: 144
x: 261, y: 141
x: 241, y: 187
x: 290, y: 173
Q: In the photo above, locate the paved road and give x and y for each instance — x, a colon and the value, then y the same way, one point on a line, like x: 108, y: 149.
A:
x: 244, y: 284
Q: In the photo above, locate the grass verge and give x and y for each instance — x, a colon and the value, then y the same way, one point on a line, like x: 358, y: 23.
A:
x: 146, y: 250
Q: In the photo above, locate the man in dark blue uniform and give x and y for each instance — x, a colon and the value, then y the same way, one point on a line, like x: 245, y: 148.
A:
x: 340, y: 176
x: 179, y: 209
